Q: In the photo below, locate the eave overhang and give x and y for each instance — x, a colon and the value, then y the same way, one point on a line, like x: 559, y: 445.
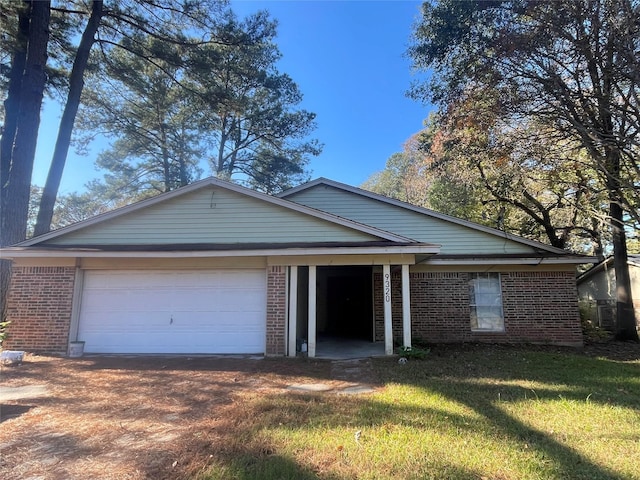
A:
x: 212, y: 251
x: 512, y: 259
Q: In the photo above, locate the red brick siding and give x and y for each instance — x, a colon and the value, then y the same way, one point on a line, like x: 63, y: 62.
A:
x: 542, y: 307
x: 539, y: 307
x: 39, y: 308
x: 276, y: 310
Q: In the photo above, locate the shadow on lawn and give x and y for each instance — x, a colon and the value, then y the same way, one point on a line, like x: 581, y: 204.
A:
x: 205, y: 363
x: 454, y: 374
x: 554, y: 373
x: 230, y: 419
x: 9, y: 411
x: 247, y: 448
x: 566, y: 462
x: 376, y: 418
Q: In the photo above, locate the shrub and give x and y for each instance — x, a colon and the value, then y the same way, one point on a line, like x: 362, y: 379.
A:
x: 3, y: 331
x: 413, y: 352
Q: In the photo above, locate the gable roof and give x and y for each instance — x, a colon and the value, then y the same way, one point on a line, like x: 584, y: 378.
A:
x: 118, y: 215
x: 424, y: 211
x: 632, y: 259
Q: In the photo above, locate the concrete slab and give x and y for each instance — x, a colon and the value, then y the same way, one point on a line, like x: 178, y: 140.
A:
x: 343, y: 349
x: 356, y: 390
x: 22, y: 393
x: 310, y: 387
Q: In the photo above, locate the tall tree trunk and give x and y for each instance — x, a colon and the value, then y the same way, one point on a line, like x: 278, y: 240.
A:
x: 626, y: 327
x: 12, y: 102
x: 15, y: 211
x: 18, y: 167
x: 11, y: 109
x: 166, y: 161
x: 625, y: 316
x: 184, y: 180
x: 76, y: 84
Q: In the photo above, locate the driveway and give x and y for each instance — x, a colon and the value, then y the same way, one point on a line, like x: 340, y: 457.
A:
x: 136, y: 417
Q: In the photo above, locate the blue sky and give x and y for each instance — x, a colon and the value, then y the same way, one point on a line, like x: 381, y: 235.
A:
x: 348, y: 58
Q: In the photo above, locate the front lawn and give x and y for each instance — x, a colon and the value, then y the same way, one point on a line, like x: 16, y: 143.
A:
x: 462, y: 413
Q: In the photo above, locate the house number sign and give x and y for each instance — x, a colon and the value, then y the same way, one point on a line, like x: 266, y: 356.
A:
x: 387, y: 288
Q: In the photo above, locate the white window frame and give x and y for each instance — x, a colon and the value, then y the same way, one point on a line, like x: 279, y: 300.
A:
x: 485, y: 302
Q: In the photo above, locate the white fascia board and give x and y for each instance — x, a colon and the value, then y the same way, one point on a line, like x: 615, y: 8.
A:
x: 19, y: 252
x: 422, y: 210
x: 508, y: 261
x: 228, y: 186
x: 595, y: 269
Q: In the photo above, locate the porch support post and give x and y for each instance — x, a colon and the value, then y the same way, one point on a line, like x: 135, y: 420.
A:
x: 312, y: 312
x: 386, y: 295
x: 406, y: 307
x: 293, y: 310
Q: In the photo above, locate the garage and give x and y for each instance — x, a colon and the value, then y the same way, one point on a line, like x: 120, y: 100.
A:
x: 173, y: 311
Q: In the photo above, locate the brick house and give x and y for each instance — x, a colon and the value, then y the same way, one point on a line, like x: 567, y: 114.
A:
x: 214, y: 267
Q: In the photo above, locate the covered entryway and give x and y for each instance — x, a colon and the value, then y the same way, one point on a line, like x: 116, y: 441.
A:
x: 336, y: 302
x: 344, y: 320
x: 345, y: 303
x: 173, y: 311
x: 345, y: 313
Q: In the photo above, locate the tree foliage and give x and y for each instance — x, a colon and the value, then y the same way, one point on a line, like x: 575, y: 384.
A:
x: 155, y: 37
x: 138, y: 103
x: 61, y: 149
x: 224, y: 101
x: 468, y: 169
x: 32, y: 64
x: 254, y: 119
x: 177, y: 61
x: 570, y: 70
x: 532, y: 176
x: 399, y: 179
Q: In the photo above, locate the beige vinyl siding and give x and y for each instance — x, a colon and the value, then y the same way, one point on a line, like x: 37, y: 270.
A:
x: 211, y: 215
x: 454, y: 238
x: 602, y: 285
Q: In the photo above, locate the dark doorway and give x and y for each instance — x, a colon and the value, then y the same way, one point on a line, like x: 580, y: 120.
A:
x: 346, y: 296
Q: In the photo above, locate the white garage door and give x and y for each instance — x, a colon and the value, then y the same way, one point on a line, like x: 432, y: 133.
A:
x: 219, y: 311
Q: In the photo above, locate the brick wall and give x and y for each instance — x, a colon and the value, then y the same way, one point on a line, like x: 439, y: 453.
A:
x: 39, y: 308
x: 539, y: 307
x: 276, y: 310
x: 542, y: 307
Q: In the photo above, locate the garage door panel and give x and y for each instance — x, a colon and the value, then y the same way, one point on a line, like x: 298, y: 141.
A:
x: 222, y: 311
x: 126, y: 302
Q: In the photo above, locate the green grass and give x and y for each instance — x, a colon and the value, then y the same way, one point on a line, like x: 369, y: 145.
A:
x: 475, y: 413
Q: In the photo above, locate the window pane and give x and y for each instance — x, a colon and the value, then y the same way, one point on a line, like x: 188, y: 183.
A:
x: 485, y: 297
x: 489, y: 316
x: 490, y: 299
x: 488, y: 285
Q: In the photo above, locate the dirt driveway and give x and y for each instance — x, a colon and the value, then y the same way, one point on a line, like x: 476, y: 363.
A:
x: 132, y: 418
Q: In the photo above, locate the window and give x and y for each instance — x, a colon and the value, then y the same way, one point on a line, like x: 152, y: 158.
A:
x: 485, y: 297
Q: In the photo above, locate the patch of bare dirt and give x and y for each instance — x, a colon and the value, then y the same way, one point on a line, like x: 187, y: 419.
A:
x: 133, y: 417
x: 614, y: 350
